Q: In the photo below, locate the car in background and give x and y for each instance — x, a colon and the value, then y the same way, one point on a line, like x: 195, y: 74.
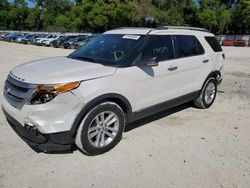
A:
x: 12, y: 36
x: 240, y: 42
x: 80, y: 43
x: 227, y: 42
x: 22, y: 36
x: 70, y: 43
x: 39, y: 41
x: 47, y: 42
x: 29, y: 38
x: 58, y: 42
x: 3, y: 34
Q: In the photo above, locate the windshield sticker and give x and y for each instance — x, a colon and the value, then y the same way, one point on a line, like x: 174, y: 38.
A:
x: 133, y: 37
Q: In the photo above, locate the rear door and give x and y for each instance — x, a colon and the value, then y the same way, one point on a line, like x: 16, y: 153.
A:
x: 192, y: 62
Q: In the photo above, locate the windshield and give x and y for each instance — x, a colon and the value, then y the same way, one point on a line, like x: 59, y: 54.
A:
x: 108, y: 49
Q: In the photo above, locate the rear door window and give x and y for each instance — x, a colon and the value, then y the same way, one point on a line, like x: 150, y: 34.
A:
x: 186, y: 46
x: 213, y: 42
x: 160, y: 47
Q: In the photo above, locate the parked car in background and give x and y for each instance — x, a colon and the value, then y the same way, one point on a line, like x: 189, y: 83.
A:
x: 47, y: 42
x: 58, y: 42
x: 39, y: 41
x: 3, y: 34
x: 12, y: 36
x: 240, y: 42
x: 80, y: 43
x: 70, y: 43
x: 227, y: 42
x: 67, y: 43
x: 37, y: 37
x: 29, y: 38
x: 22, y: 36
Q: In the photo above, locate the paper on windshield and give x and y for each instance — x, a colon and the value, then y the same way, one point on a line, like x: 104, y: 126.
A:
x: 133, y: 37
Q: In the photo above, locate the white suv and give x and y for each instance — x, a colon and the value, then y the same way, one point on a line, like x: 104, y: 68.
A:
x: 118, y: 77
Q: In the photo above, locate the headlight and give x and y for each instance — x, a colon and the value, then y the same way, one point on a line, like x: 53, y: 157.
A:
x: 45, y: 93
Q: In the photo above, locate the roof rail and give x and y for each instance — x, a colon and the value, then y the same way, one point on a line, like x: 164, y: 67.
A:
x: 182, y: 27
x: 133, y: 28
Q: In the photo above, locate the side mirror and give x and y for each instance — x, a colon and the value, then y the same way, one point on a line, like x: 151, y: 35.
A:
x: 150, y: 62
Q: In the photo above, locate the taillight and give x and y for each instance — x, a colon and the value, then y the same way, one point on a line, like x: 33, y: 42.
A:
x: 223, y: 55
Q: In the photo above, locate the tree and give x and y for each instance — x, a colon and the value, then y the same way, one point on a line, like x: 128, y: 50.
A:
x: 34, y: 20
x: 214, y: 15
x: 63, y: 23
x: 219, y: 16
x: 17, y: 14
x: 4, y: 17
x: 246, y: 13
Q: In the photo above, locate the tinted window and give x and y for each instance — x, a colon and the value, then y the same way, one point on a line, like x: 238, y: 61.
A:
x: 214, y: 44
x: 160, y: 47
x: 186, y: 45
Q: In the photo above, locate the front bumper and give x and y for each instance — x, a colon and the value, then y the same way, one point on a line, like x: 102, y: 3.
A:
x: 39, y: 142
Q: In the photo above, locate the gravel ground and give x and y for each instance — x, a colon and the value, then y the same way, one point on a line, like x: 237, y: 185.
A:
x: 182, y: 147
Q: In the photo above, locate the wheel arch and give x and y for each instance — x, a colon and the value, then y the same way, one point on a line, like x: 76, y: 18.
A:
x: 112, y: 97
x: 215, y: 74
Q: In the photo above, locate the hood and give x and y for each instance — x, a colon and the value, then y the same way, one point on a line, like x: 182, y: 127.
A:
x: 60, y: 70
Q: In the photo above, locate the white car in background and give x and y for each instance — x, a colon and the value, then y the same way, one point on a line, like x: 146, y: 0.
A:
x: 123, y: 75
x: 39, y: 41
x: 21, y: 37
x: 47, y: 41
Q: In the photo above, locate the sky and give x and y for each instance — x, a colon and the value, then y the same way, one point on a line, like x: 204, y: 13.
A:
x: 31, y: 4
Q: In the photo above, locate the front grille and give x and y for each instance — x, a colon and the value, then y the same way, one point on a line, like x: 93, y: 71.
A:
x: 18, y: 93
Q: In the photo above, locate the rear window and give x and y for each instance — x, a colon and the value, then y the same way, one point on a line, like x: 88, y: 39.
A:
x: 212, y: 41
x: 186, y: 46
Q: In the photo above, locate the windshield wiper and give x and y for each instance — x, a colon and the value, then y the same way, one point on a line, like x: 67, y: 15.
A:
x: 83, y: 58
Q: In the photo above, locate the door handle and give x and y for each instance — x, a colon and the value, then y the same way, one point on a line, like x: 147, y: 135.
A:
x: 172, y: 68
x: 205, y: 60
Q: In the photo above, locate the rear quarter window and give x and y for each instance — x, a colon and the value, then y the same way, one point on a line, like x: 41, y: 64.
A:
x: 214, y: 44
x: 186, y: 46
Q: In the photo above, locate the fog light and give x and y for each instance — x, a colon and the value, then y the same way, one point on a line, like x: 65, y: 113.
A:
x: 29, y: 124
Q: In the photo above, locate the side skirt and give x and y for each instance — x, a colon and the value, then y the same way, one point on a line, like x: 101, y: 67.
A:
x: 162, y: 106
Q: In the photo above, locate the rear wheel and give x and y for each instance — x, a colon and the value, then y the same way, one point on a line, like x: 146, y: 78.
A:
x: 101, y: 129
x: 207, y: 95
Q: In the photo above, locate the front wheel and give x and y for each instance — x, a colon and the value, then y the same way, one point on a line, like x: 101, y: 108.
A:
x: 207, y: 95
x: 101, y: 129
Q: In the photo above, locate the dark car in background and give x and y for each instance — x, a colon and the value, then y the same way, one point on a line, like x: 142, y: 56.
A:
x: 29, y: 38
x: 58, y: 42
x: 20, y: 37
x: 69, y: 43
x: 81, y: 42
x: 11, y: 36
x: 3, y: 34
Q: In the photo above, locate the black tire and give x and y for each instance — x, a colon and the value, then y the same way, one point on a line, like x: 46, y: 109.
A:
x: 201, y: 101
x: 82, y: 137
